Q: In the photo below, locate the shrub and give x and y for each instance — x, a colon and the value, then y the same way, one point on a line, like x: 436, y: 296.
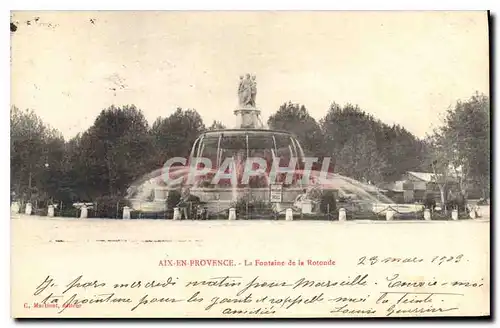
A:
x: 173, y: 198
x: 109, y: 207
x: 328, y: 202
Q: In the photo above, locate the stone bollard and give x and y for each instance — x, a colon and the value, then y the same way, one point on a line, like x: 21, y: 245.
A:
x: 342, y: 214
x: 126, y: 213
x: 454, y: 215
x: 29, y: 209
x: 14, y: 208
x: 307, y: 207
x: 427, y: 214
x: 177, y: 213
x: 389, y: 214
x: 232, y: 214
x: 477, y: 209
x: 50, y: 211
x: 84, y: 212
x: 288, y: 214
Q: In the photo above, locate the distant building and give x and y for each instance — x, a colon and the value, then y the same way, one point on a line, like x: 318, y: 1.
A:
x: 413, y: 186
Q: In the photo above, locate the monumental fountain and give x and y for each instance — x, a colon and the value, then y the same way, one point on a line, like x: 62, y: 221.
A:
x: 251, y: 163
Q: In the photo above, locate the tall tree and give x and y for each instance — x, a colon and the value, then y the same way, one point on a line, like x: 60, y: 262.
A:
x: 385, y: 152
x: 174, y: 135
x: 359, y: 158
x: 296, y: 119
x: 465, y: 134
x: 114, y: 150
x: 438, y: 160
x: 35, y: 153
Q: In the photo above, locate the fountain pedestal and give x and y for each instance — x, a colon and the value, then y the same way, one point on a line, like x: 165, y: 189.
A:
x: 248, y: 118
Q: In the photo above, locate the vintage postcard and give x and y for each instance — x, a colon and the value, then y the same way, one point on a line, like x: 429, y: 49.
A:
x: 250, y: 164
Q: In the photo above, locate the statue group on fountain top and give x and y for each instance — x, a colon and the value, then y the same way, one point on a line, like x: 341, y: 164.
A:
x: 247, y: 91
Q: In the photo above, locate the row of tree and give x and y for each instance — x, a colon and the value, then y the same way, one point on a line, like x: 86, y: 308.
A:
x: 361, y: 146
x: 120, y: 147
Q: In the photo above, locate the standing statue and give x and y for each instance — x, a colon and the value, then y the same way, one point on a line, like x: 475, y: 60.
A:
x: 240, y: 91
x: 253, y: 93
x: 247, y: 91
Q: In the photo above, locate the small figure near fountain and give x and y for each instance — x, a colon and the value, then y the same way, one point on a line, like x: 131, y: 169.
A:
x: 188, y: 204
x: 429, y: 201
x: 297, y: 204
x: 305, y: 202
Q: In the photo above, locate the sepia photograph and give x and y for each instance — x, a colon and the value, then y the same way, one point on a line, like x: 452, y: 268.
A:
x: 250, y: 164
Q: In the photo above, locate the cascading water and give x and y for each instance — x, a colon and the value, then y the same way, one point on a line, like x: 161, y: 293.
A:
x: 234, y: 182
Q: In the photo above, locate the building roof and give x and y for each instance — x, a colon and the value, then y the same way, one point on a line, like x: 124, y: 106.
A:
x: 396, y: 186
x: 429, y: 177
x: 424, y: 176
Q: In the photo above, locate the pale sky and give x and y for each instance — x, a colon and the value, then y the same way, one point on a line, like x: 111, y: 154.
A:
x: 402, y: 67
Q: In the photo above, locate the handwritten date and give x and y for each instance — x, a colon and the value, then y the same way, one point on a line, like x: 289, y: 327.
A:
x: 437, y: 260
